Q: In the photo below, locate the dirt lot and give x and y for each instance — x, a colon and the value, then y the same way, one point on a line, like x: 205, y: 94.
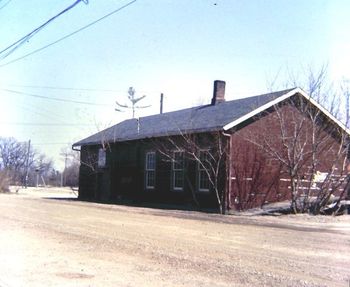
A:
x: 60, y: 242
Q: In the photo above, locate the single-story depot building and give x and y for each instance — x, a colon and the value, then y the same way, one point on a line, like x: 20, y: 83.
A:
x: 227, y: 154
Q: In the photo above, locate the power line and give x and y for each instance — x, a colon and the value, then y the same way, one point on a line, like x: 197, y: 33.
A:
x: 43, y: 124
x: 51, y: 143
x: 67, y: 88
x: 38, y: 111
x: 57, y: 119
x: 10, y: 49
x: 55, y: 99
x: 4, y: 5
x: 71, y: 34
x: 78, y: 89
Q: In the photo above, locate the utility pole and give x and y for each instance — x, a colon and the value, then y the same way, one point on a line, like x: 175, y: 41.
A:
x: 64, y: 173
x: 65, y: 169
x: 37, y: 178
x: 27, y: 166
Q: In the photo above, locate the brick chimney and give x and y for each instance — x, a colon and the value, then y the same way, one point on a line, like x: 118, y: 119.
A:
x: 219, y: 92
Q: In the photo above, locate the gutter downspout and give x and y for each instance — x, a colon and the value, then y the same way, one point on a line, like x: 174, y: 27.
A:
x: 229, y: 185
x: 75, y: 149
x: 78, y: 149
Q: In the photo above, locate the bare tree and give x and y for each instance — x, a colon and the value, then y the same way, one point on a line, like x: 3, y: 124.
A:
x: 315, y: 82
x: 23, y: 165
x: 15, y: 159
x: 208, y: 152
x: 337, y: 102
x: 72, y: 161
x: 4, y: 181
x: 345, y: 95
x: 311, y: 149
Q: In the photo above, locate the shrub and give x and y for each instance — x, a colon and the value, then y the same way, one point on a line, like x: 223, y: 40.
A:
x: 4, y: 182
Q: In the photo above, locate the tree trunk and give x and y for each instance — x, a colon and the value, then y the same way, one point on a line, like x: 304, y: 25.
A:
x: 294, y: 205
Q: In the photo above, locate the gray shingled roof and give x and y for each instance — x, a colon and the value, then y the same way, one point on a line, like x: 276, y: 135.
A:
x: 198, y: 119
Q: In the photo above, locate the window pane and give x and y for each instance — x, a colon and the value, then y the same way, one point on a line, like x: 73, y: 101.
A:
x: 203, y: 180
x: 150, y: 161
x: 178, y: 170
x: 178, y: 179
x: 203, y: 168
x: 150, y: 179
x: 178, y: 161
x: 204, y: 160
x: 150, y: 167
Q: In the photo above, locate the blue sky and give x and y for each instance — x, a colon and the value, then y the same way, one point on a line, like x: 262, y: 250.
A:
x: 177, y: 47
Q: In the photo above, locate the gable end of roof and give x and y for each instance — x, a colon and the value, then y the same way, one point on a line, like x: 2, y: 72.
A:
x: 281, y: 99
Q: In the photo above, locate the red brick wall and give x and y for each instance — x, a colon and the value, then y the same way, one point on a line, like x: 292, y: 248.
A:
x: 258, y: 177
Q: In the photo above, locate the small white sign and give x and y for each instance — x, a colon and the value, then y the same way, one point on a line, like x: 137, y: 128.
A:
x: 101, y: 157
x: 319, y: 177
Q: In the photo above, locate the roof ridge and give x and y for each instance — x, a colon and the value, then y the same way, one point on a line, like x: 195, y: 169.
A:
x: 194, y: 119
x: 210, y: 105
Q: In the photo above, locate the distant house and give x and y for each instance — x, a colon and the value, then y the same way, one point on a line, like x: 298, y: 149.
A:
x: 233, y: 154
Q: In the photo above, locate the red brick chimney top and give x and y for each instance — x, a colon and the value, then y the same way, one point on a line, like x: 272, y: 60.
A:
x: 219, y: 92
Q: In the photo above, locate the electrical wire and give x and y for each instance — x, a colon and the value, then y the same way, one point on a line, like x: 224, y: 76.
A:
x: 43, y: 113
x: 55, y: 99
x: 13, y: 47
x: 80, y: 89
x: 35, y: 144
x: 3, y: 6
x: 67, y: 88
x: 44, y: 124
x: 71, y: 34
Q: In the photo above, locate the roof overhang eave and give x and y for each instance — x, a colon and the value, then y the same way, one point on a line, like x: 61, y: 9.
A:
x: 152, y: 136
x: 79, y: 144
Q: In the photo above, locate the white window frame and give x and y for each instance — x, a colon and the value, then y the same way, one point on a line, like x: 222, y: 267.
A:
x: 201, y: 170
x: 101, y: 161
x: 150, y: 169
x: 176, y: 170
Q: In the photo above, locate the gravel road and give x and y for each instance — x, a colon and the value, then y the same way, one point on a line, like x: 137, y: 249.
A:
x: 64, y: 242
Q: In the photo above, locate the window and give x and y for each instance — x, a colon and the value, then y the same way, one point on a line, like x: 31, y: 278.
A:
x: 178, y: 170
x: 101, y: 158
x: 150, y: 170
x: 203, y: 167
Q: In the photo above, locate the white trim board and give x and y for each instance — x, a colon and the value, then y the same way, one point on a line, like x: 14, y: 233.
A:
x: 280, y: 99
